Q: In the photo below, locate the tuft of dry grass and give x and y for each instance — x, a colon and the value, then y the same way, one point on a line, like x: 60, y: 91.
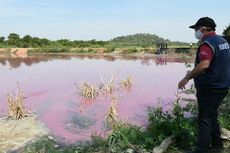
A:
x: 16, y: 109
x: 127, y: 83
x: 112, y: 115
x: 108, y: 87
x: 88, y: 91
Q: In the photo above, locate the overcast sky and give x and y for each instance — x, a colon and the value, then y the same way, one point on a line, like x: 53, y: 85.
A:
x: 106, y: 19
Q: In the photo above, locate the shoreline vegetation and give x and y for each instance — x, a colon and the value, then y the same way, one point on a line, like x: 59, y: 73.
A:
x: 170, y: 54
x: 131, y: 44
x: 124, y: 50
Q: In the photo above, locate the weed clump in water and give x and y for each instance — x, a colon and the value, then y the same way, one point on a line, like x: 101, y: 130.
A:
x: 87, y: 91
x: 112, y: 115
x: 16, y: 109
x: 127, y: 83
x: 107, y: 88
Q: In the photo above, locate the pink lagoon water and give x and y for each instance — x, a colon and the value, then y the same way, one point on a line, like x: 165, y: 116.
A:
x: 49, y: 84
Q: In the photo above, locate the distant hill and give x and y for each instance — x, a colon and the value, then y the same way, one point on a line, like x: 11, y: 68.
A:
x: 143, y: 40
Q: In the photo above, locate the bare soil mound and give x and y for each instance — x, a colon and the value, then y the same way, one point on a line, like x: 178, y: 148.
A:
x: 14, y: 134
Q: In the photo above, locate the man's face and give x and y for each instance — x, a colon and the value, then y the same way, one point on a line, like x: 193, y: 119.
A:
x: 202, y: 29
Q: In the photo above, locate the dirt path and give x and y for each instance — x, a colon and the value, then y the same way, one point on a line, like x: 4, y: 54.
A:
x: 15, y: 52
x: 21, y: 52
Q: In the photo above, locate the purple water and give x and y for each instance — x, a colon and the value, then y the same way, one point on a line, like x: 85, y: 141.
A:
x: 48, y: 82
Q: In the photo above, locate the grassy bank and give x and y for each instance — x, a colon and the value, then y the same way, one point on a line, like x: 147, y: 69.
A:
x: 90, y: 50
x: 123, y: 50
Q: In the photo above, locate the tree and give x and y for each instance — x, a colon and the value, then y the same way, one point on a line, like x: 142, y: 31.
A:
x: 44, y: 42
x: 65, y: 42
x: 36, y: 42
x: 226, y: 31
x: 13, y: 39
x: 2, y: 39
x: 26, y: 40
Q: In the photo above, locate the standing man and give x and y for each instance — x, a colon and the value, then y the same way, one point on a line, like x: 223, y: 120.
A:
x: 211, y: 75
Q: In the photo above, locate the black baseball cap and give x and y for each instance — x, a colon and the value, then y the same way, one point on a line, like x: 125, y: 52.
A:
x: 205, y: 22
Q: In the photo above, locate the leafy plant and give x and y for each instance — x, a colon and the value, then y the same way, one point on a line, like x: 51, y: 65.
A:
x: 162, y: 125
x: 129, y: 50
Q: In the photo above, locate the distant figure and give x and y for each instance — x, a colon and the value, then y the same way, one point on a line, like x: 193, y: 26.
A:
x: 158, y: 51
x: 161, y: 48
x: 158, y: 45
x: 190, y: 44
x: 162, y: 45
x: 212, y: 80
x: 166, y: 46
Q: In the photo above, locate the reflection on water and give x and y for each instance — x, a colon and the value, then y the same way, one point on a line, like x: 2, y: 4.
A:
x: 49, y: 86
x: 15, y: 62
x: 161, y: 60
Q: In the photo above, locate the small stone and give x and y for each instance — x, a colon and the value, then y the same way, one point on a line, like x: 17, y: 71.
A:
x: 129, y: 150
x: 225, y: 134
x: 50, y: 137
x: 164, y: 145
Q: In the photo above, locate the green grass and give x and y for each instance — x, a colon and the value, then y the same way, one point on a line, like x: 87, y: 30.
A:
x: 45, y: 144
x: 50, y: 50
x: 129, y: 50
x: 224, y: 115
x: 109, y: 49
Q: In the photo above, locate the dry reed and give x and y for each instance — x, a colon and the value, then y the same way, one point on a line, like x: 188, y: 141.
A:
x: 112, y: 115
x: 107, y: 87
x: 127, y: 83
x: 16, y: 109
x: 88, y: 92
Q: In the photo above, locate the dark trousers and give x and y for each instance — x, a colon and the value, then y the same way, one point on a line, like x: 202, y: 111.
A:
x: 208, y: 128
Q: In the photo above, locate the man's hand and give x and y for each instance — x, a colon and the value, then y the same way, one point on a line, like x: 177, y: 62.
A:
x: 200, y: 68
x: 182, y: 83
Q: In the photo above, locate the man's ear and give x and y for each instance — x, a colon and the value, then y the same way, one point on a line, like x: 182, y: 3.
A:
x: 203, y: 29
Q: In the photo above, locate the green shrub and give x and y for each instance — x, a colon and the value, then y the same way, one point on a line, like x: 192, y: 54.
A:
x: 129, y: 50
x: 123, y: 137
x: 162, y: 125
x: 50, y: 50
x: 224, y: 115
x: 109, y: 49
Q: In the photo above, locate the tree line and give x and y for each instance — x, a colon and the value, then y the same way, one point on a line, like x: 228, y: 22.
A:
x: 140, y: 40
x: 14, y: 40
